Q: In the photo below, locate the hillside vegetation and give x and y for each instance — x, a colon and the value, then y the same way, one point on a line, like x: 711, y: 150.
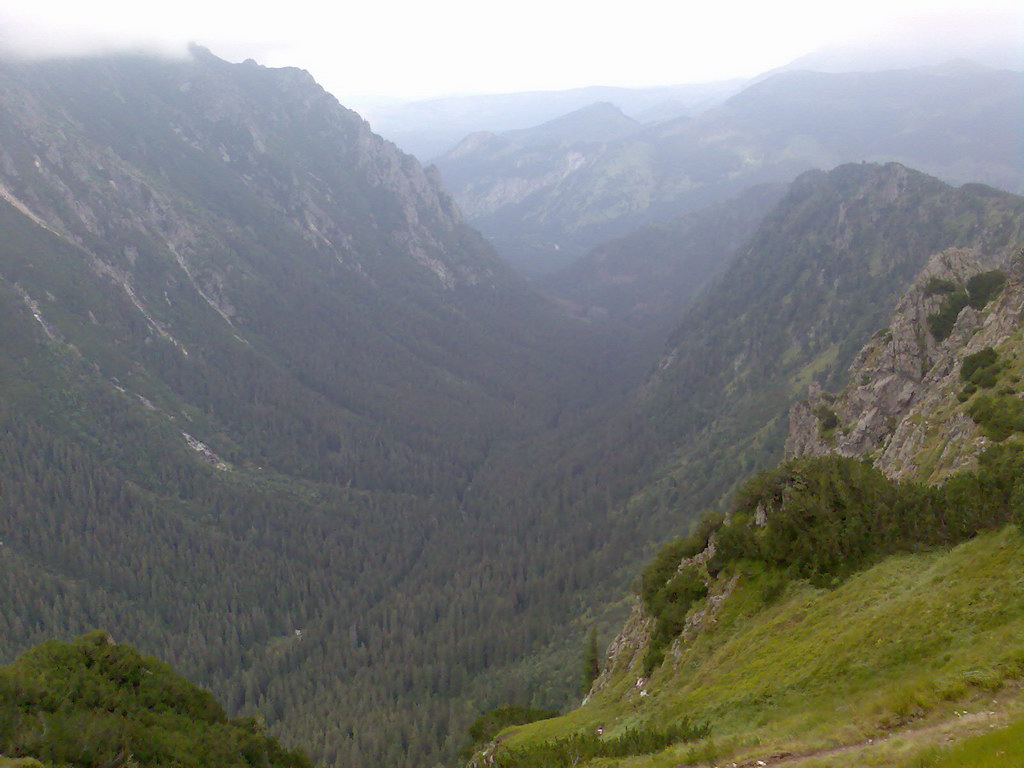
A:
x: 90, y: 702
x: 838, y: 615
x: 787, y: 667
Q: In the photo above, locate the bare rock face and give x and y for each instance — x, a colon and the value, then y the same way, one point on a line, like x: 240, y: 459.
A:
x: 628, y: 647
x: 901, y: 399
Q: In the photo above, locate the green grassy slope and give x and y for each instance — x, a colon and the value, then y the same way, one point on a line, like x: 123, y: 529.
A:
x: 813, y: 667
x: 1000, y: 749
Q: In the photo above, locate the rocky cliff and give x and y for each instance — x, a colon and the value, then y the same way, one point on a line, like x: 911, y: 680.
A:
x: 902, y: 407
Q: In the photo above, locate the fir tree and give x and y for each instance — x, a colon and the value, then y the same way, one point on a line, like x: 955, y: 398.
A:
x: 591, y: 662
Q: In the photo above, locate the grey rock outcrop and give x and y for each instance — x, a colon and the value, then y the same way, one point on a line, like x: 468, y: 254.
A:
x: 900, y: 401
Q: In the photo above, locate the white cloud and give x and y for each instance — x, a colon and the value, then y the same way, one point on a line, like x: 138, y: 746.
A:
x: 417, y: 49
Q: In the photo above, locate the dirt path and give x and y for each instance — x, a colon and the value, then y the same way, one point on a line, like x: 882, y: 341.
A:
x: 955, y: 728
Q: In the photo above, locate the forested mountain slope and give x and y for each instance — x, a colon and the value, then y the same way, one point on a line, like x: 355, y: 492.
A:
x: 960, y: 122
x: 854, y: 609
x: 641, y: 284
x: 253, y: 193
x: 252, y: 360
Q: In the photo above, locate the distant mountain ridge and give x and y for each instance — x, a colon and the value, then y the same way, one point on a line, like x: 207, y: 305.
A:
x: 650, y: 274
x: 600, y: 121
x: 960, y: 123
x: 429, y: 128
x: 518, y: 163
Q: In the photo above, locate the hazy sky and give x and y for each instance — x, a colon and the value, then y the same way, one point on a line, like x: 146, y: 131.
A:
x: 419, y: 48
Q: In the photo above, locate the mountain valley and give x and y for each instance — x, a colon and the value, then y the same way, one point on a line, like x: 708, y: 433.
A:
x: 277, y: 414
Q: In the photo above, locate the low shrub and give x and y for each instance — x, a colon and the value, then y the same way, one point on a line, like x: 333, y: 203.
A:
x: 984, y: 287
x: 827, y: 419
x: 980, y: 290
x: 941, y: 323
x: 936, y: 286
x: 980, y: 370
x: 999, y: 416
x: 669, y: 607
x: 491, y: 723
x: 581, y: 747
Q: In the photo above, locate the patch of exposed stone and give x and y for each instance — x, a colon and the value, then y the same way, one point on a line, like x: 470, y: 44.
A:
x: 901, y: 398
x: 33, y: 306
x: 628, y: 648
x: 205, y: 453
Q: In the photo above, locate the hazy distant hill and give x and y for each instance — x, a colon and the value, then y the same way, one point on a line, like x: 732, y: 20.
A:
x: 959, y: 122
x: 429, y: 128
x: 512, y: 166
x: 640, y: 284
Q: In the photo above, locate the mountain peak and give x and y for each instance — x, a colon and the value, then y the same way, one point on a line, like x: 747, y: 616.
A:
x: 600, y: 121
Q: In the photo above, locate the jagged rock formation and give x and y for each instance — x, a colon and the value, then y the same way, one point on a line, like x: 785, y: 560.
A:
x: 899, y: 408
x: 626, y: 649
